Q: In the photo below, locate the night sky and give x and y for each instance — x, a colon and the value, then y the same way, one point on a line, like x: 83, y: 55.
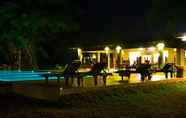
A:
x: 114, y: 19
x: 131, y: 20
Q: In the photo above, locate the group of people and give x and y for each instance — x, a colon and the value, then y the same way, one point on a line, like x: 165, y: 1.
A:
x: 146, y: 69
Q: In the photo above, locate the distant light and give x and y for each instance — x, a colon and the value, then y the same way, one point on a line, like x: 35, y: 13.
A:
x: 107, y: 49
x: 183, y: 37
x: 61, y: 88
x: 175, y: 49
x: 151, y: 49
x: 118, y: 48
x: 160, y: 46
x: 141, y: 49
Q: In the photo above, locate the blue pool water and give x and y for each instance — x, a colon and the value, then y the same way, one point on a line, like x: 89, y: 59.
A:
x: 11, y: 76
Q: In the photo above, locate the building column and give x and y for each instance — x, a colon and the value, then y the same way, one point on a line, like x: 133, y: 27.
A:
x: 108, y: 57
x: 80, y: 54
x: 174, y: 56
x: 182, y: 57
x: 118, y: 59
x: 160, y: 59
x: 98, y: 57
x: 19, y: 59
x: 114, y: 60
x: 178, y: 56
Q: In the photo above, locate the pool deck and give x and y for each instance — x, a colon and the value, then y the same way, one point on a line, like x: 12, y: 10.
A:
x: 53, y: 90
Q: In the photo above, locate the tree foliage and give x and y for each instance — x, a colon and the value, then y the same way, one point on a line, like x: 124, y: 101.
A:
x: 25, y: 24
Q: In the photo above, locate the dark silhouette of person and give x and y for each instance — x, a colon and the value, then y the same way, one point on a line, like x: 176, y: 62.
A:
x: 145, y: 71
x: 168, y: 68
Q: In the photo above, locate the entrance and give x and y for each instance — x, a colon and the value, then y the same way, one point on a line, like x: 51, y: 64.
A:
x: 147, y: 58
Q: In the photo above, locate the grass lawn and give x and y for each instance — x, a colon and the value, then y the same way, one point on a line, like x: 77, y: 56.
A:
x: 147, y: 100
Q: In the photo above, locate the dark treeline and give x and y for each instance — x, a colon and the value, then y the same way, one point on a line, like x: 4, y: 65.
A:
x: 38, y: 32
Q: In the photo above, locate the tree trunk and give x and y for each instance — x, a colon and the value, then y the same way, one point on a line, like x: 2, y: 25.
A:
x: 19, y: 59
x: 32, y: 55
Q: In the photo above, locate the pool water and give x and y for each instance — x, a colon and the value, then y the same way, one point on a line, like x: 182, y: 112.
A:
x: 11, y: 76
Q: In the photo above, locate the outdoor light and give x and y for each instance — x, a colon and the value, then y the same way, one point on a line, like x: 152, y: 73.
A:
x: 118, y: 48
x: 160, y: 46
x: 183, y: 37
x: 107, y: 49
x: 175, y: 49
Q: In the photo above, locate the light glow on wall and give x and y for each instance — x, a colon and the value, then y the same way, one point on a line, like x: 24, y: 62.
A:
x: 151, y: 49
x: 141, y: 49
x: 94, y: 56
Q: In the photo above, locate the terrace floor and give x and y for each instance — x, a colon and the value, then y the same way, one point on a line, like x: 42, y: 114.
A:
x: 53, y: 90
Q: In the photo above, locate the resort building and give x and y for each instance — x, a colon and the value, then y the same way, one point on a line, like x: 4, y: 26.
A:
x: 116, y: 57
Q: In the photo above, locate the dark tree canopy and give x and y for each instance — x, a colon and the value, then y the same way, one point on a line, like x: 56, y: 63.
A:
x: 36, y: 27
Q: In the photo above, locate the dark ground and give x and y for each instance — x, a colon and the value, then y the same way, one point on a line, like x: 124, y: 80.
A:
x: 165, y: 99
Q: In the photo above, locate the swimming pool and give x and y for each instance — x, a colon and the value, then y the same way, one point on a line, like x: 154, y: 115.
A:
x: 12, y: 76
